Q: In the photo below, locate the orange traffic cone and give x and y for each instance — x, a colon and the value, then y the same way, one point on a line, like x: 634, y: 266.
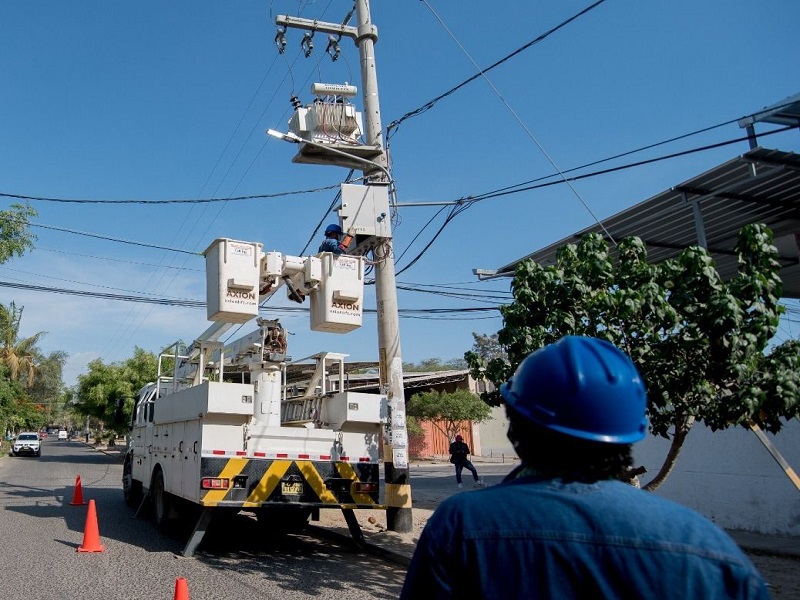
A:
x: 181, y: 589
x: 91, y: 533
x: 77, y: 497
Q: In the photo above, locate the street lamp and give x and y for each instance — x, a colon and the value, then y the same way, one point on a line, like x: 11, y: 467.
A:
x: 296, y: 139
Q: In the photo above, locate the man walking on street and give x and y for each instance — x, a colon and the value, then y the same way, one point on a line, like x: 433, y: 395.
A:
x: 562, y: 525
x: 458, y: 456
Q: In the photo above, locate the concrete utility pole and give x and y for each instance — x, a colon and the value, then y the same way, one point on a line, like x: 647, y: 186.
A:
x: 398, y: 487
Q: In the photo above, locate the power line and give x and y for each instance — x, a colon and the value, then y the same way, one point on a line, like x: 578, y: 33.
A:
x: 516, y: 189
x: 431, y: 103
x: 111, y: 239
x: 462, y: 203
x: 119, y: 260
x: 170, y: 201
x: 409, y: 312
x: 527, y: 129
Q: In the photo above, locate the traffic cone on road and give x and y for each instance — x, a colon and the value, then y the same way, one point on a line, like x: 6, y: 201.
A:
x: 77, y: 496
x: 91, y: 532
x: 181, y: 589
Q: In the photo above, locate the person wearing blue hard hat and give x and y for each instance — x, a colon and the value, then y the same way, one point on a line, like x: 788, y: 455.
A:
x: 562, y: 524
x: 331, y: 242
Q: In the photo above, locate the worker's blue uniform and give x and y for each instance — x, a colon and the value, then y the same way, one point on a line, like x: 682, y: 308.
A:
x: 534, y: 538
x: 330, y: 245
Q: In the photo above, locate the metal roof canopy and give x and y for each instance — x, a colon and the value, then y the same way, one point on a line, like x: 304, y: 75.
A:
x: 785, y: 112
x: 761, y: 186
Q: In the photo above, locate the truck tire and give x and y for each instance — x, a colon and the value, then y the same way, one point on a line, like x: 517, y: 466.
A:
x: 131, y: 488
x: 161, y: 502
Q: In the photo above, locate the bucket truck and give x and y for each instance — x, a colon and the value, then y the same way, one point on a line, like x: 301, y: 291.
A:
x: 221, y: 431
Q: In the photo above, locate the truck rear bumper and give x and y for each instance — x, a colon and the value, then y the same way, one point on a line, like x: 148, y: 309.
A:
x: 250, y: 483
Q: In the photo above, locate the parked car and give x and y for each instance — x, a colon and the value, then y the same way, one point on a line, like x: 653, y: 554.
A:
x: 27, y: 442
x: 62, y: 435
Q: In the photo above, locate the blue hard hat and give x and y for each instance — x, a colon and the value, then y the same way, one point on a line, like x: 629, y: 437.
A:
x: 333, y: 228
x: 583, y: 387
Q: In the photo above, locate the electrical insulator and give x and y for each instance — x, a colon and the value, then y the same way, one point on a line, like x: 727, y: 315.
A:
x: 333, y: 47
x: 307, y: 43
x: 280, y: 40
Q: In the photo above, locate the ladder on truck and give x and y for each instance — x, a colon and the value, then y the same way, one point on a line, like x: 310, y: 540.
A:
x: 307, y: 407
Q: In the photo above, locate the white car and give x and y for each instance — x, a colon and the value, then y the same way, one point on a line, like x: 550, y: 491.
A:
x: 27, y: 442
x: 62, y: 435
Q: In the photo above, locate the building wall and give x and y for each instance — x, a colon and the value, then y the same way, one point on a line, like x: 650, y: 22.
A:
x: 433, y: 443
x: 729, y: 477
x: 494, y: 443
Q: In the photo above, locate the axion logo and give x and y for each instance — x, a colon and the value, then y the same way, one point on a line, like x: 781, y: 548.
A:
x: 344, y: 305
x: 243, y: 295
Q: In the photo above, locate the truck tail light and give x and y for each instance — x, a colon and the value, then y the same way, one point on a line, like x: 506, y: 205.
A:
x: 365, y: 487
x: 214, y: 483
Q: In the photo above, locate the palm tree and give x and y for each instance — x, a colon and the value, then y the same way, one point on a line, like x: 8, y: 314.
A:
x: 19, y: 355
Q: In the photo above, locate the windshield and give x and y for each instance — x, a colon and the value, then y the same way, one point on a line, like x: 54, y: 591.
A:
x: 27, y: 436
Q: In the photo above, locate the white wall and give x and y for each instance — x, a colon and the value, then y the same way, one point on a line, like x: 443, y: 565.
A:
x: 492, y: 435
x: 729, y: 477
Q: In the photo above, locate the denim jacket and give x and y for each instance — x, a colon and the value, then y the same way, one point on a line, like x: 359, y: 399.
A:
x: 531, y: 538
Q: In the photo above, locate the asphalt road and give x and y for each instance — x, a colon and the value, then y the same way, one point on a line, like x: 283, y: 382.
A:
x: 42, y: 532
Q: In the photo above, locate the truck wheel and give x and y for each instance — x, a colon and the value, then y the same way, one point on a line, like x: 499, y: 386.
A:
x: 160, y: 502
x: 131, y: 489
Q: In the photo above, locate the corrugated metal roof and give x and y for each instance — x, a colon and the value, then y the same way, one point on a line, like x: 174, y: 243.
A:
x: 761, y: 186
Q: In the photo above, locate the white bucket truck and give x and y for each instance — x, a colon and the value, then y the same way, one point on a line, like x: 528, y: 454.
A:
x: 220, y: 429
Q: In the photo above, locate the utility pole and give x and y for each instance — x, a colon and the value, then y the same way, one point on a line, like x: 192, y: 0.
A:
x: 398, y: 486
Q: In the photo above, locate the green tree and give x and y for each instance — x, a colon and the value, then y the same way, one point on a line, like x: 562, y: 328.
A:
x: 428, y: 365
x: 447, y: 411
x: 47, y: 388
x: 698, y: 341
x: 17, y: 354
x: 15, y: 234
x: 11, y: 392
x: 488, y: 347
x: 107, y: 392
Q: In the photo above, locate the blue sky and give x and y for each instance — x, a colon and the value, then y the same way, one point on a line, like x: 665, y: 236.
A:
x: 170, y: 100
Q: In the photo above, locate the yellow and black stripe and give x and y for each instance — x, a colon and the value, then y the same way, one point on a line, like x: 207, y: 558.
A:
x: 255, y: 482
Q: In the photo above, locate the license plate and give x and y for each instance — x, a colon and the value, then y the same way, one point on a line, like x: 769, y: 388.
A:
x: 291, y: 489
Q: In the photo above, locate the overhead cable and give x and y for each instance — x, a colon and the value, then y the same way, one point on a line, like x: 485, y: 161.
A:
x: 431, y: 103
x: 523, y: 187
x: 170, y: 201
x: 200, y: 304
x: 527, y: 129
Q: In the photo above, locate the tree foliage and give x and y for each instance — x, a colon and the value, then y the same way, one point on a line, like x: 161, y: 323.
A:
x: 488, y: 347
x: 435, y: 364
x: 15, y: 233
x: 107, y: 392
x: 698, y: 341
x: 447, y: 411
x: 25, y: 400
x: 18, y: 354
x: 47, y: 389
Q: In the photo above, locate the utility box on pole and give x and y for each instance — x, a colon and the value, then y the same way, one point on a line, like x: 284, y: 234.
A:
x: 364, y: 214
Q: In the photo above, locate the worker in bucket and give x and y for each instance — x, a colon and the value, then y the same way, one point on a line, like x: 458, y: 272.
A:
x: 562, y: 525
x: 331, y: 242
